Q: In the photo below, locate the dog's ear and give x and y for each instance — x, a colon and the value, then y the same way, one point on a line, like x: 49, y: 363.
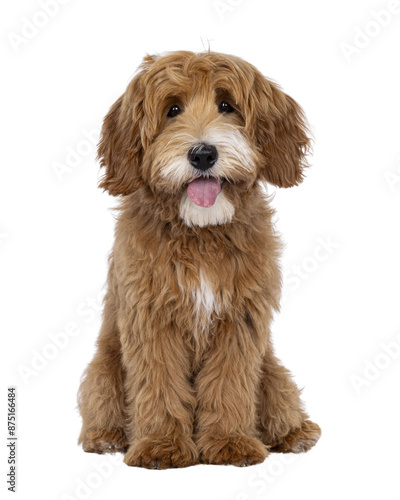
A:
x: 120, y: 148
x: 282, y: 134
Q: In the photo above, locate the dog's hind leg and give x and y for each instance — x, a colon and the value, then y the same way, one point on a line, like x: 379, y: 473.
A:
x: 284, y: 424
x: 101, y: 395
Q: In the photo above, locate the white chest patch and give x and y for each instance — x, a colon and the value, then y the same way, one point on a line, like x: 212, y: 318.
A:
x: 221, y: 212
x: 205, y: 303
x: 204, y: 297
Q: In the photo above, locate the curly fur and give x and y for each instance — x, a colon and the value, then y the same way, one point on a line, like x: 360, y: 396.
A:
x: 185, y: 371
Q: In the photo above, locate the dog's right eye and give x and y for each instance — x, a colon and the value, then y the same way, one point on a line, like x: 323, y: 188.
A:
x: 174, y: 111
x: 225, y: 107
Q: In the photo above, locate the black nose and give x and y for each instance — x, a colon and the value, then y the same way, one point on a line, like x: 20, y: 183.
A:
x: 203, y: 156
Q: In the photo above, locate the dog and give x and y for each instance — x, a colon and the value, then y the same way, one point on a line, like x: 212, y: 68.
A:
x: 185, y: 371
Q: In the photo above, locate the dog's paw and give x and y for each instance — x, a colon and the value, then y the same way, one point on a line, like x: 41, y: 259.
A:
x: 232, y: 450
x: 105, y: 441
x: 299, y: 440
x: 162, y: 453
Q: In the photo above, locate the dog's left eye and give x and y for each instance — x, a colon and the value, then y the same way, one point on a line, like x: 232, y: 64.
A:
x: 225, y: 107
x: 174, y: 111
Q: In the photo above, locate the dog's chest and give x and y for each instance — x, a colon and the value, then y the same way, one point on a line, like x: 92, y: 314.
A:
x: 204, y: 297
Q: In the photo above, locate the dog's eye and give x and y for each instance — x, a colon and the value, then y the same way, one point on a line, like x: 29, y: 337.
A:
x: 174, y: 111
x: 225, y: 107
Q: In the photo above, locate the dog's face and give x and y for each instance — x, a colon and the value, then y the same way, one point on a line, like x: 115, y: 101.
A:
x: 200, y: 130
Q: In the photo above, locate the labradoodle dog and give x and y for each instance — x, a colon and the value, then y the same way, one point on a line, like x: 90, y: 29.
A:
x: 185, y: 371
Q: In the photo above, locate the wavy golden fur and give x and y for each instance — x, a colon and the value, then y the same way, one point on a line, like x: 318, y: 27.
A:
x: 185, y: 371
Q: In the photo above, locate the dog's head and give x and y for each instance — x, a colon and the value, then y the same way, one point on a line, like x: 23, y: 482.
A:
x: 201, y: 128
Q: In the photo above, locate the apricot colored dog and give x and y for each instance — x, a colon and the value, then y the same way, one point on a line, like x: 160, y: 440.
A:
x: 185, y: 371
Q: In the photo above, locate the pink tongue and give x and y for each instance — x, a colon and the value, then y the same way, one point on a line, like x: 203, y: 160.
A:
x: 204, y: 191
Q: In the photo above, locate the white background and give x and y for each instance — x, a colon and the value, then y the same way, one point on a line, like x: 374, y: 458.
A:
x: 56, y: 232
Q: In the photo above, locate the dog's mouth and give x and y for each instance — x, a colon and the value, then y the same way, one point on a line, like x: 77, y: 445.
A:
x: 204, y: 191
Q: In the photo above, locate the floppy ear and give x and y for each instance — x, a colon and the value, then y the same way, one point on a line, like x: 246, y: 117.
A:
x: 281, y: 134
x: 120, y: 148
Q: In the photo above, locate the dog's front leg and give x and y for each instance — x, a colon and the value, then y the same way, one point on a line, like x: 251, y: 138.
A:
x: 227, y: 394
x: 160, y: 400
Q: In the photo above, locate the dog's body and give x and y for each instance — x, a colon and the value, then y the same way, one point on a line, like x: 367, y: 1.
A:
x: 185, y: 371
